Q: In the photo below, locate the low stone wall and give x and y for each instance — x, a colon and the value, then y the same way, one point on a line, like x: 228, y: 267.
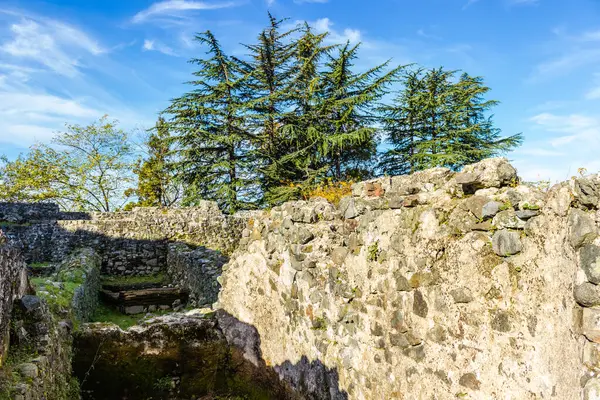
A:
x: 435, y: 285
x: 130, y: 243
x: 13, y: 285
x: 197, y: 270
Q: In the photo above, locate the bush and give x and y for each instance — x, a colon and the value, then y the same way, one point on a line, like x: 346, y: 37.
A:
x: 332, y: 191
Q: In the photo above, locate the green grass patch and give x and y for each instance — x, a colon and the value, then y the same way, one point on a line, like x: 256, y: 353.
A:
x: 9, y: 224
x: 106, y: 313
x: 58, y: 295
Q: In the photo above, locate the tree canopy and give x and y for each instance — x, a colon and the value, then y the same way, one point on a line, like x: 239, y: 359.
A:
x: 88, y: 168
x: 294, y: 115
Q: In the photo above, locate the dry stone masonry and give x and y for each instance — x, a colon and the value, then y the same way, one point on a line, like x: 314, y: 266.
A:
x: 436, y: 285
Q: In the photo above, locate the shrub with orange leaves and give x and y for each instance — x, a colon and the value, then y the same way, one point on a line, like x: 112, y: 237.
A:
x: 332, y: 191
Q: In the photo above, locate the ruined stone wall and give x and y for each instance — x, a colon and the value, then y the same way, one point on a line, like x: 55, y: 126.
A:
x: 13, y: 285
x: 130, y: 243
x: 438, y: 285
x: 195, y: 269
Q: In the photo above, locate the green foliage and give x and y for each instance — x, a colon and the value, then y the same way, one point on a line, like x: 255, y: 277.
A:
x: 58, y: 295
x: 157, y: 186
x: 87, y: 169
x: 373, y: 252
x: 271, y: 127
x: 438, y: 120
x: 108, y: 314
x: 213, y: 139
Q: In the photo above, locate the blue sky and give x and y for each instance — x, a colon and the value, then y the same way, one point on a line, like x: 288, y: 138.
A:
x: 73, y: 61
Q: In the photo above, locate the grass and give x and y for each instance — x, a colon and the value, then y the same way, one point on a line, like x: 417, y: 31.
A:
x: 58, y: 298
x: 7, y: 224
x: 39, y: 265
x: 105, y: 313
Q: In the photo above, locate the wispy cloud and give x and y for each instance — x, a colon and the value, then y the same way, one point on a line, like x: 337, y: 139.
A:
x: 571, y: 128
x: 49, y: 74
x: 594, y: 92
x: 154, y: 45
x: 50, y: 43
x: 177, y: 8
x: 568, y: 53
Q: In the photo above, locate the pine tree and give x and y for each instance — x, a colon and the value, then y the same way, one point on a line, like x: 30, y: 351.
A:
x: 295, y: 167
x: 438, y: 121
x: 269, y: 71
x: 347, y: 118
x: 156, y: 184
x: 209, y: 124
x: 402, y: 120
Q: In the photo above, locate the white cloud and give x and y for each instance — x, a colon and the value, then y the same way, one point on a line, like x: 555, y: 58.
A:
x: 594, y: 92
x: 153, y: 45
x: 175, y: 8
x: 52, y: 44
x: 27, y: 118
x: 348, y: 34
x: 570, y: 141
x: 270, y: 2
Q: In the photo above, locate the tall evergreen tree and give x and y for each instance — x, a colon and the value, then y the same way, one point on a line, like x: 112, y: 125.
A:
x: 269, y: 72
x: 347, y: 118
x: 334, y: 121
x: 402, y: 121
x: 296, y: 164
x: 209, y: 125
x: 440, y: 121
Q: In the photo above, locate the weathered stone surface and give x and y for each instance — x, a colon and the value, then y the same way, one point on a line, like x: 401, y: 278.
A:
x: 492, y: 172
x: 490, y: 209
x: 461, y: 295
x: 200, y: 353
x: 587, y: 294
x: 389, y: 303
x: 470, y: 381
x: 28, y: 370
x: 508, y: 219
x: 527, y: 214
x: 13, y: 285
x: 591, y: 355
x: 582, y: 229
x: 506, y: 243
x: 420, y: 307
x: 476, y: 204
x: 586, y: 191
x: 591, y: 391
x: 589, y: 261
x: 591, y: 324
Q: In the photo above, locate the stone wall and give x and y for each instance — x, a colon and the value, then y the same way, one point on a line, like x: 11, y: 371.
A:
x: 197, y: 270
x: 436, y: 285
x: 41, y: 331
x: 194, y: 355
x: 13, y: 285
x: 130, y: 243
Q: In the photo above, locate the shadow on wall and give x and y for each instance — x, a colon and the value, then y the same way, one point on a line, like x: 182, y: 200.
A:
x: 125, y: 248
x: 217, y: 356
x: 181, y: 357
